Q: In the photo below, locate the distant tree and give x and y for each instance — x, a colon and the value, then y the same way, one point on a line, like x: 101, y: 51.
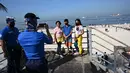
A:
x: 2, y: 7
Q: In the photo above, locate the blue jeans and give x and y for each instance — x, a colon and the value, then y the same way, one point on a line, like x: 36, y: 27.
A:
x: 37, y: 66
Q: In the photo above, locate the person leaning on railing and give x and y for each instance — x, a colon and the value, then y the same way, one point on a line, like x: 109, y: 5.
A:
x: 33, y: 44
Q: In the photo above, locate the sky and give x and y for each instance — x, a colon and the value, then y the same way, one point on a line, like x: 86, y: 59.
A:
x: 60, y: 9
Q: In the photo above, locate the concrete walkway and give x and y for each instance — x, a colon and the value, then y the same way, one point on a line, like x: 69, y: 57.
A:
x: 68, y: 64
x: 71, y: 64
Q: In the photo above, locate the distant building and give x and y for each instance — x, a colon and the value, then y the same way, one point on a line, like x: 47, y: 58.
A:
x: 116, y: 14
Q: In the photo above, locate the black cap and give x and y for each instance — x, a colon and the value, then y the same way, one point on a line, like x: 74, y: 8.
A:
x: 31, y: 15
x: 10, y: 20
x: 66, y: 20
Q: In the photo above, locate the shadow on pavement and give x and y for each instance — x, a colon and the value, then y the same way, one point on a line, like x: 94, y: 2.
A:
x: 52, y: 66
x: 68, y: 64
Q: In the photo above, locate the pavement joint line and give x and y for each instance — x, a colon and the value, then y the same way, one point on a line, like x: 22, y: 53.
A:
x: 83, y: 69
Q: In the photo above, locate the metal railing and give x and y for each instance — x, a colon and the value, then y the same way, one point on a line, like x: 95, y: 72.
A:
x: 90, y: 41
x: 103, y: 46
x: 110, y: 36
x: 125, y: 28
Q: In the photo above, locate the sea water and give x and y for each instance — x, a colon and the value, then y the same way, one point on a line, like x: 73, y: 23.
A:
x: 85, y: 21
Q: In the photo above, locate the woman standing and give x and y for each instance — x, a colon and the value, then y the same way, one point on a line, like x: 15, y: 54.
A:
x: 58, y: 37
x: 79, y: 31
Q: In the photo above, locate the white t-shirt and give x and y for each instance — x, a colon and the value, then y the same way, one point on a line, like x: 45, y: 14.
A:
x: 78, y: 30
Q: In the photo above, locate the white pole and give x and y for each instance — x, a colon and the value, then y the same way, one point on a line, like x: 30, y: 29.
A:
x: 90, y: 42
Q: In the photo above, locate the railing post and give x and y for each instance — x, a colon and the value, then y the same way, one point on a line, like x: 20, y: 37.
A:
x: 115, y: 64
x: 90, y: 41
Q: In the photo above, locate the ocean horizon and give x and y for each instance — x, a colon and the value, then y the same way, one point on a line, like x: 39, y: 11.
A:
x: 122, y: 19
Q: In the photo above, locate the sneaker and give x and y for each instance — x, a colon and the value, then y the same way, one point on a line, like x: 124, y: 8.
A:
x: 56, y: 54
x: 67, y: 53
x: 24, y: 68
x: 76, y: 53
x: 61, y: 56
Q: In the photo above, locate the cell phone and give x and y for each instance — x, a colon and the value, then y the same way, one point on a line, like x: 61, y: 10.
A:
x: 41, y: 28
x: 42, y: 25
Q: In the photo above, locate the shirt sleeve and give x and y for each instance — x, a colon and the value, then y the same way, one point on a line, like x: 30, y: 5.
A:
x: 3, y: 34
x: 75, y: 29
x: 63, y: 29
x: 47, y: 40
x: 81, y: 27
x: 54, y: 30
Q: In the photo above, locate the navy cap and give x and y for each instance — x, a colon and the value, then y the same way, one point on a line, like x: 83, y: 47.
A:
x: 10, y: 19
x: 31, y: 15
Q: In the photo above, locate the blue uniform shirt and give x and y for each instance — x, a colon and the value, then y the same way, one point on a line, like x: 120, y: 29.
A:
x: 67, y: 30
x: 33, y: 44
x: 10, y: 35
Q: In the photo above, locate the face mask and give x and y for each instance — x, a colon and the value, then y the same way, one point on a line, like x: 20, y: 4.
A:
x: 12, y: 24
x: 77, y: 24
x: 66, y: 23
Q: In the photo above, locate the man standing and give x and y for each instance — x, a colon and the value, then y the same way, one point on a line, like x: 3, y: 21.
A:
x: 10, y: 46
x: 67, y: 33
x: 33, y: 44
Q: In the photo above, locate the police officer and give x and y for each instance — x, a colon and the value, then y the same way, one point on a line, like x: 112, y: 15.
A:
x: 33, y: 44
x: 10, y: 46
